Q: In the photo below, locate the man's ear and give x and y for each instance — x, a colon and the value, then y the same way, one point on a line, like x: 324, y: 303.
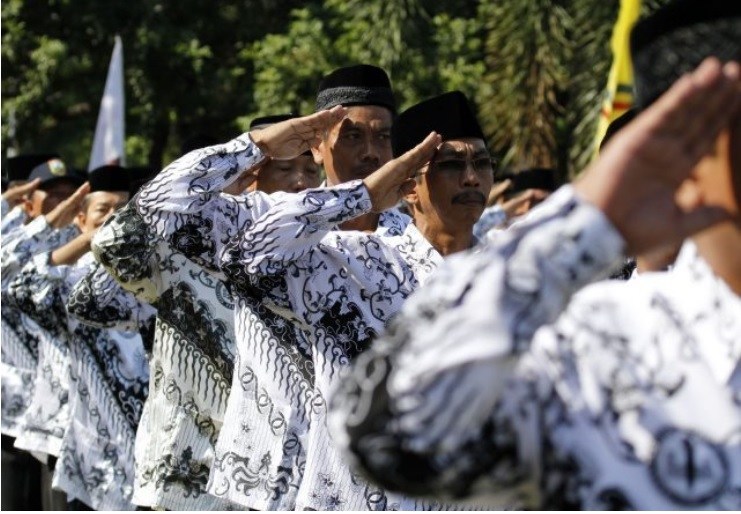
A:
x: 27, y: 205
x: 412, y: 197
x: 80, y: 219
x: 316, y: 152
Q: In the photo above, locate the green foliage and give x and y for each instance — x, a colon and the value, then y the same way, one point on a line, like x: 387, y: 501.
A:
x: 534, y: 69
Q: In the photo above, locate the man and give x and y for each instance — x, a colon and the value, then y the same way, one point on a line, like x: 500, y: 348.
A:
x: 93, y: 382
x: 496, y: 378
x: 195, y: 364
x: 283, y: 367
x: 17, y: 188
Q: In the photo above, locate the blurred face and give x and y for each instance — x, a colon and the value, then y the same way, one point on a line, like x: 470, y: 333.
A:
x: 454, y: 186
x: 357, y: 146
x: 97, y: 207
x: 43, y: 200
x: 290, y: 176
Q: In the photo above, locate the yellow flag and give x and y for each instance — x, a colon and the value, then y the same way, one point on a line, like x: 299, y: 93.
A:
x: 619, y: 94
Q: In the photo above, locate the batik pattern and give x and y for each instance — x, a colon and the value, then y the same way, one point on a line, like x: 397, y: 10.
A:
x: 192, y: 362
x: 496, y: 379
x: 20, y: 335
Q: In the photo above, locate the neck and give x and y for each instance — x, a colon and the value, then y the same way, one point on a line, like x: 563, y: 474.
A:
x: 444, y: 240
x: 720, y: 246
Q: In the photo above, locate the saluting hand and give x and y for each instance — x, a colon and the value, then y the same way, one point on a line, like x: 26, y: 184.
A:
x: 64, y: 213
x: 636, y: 179
x: 16, y: 193
x: 289, y: 139
x: 389, y: 183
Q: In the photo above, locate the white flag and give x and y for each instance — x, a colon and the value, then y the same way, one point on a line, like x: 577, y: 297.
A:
x: 108, y: 145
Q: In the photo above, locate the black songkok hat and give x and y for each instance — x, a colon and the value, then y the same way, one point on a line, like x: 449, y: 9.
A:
x: 55, y: 170
x: 138, y: 176
x: 20, y: 166
x: 617, y: 124
x: 449, y: 114
x: 109, y: 178
x: 675, y: 39
x: 356, y: 85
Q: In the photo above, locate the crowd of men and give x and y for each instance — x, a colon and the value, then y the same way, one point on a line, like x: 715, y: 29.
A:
x: 234, y: 333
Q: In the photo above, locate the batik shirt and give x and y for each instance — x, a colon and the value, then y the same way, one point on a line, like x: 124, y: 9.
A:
x: 20, y: 334
x: 108, y: 384
x: 192, y: 362
x: 48, y: 414
x: 11, y: 220
x: 261, y: 449
x: 496, y: 377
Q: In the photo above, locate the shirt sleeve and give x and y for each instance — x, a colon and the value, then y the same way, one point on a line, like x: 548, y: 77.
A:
x: 24, y: 242
x: 185, y: 204
x: 98, y: 300
x: 491, y: 218
x: 39, y: 291
x: 424, y: 410
x: 291, y: 227
x: 12, y: 220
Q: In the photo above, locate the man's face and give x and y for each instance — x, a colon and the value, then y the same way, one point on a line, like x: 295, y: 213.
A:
x: 357, y: 146
x: 455, y: 185
x: 45, y: 198
x: 97, y: 207
x: 290, y: 176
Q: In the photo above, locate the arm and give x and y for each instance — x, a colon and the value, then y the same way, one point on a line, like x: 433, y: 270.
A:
x: 435, y: 390
x: 98, y: 300
x: 14, y: 219
x: 39, y: 291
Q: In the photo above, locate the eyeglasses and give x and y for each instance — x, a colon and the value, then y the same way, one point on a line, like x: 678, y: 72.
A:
x: 483, y: 166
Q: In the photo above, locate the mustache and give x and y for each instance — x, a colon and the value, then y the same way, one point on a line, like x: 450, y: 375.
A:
x: 470, y: 197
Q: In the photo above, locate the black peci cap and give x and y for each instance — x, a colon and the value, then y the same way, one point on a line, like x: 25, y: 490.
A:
x: 675, y: 39
x: 361, y: 84
x: 109, y: 177
x: 449, y: 114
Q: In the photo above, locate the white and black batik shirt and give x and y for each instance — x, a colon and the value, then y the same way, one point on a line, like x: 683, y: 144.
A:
x: 339, y: 288
x: 35, y: 292
x: 495, y: 378
x: 191, y: 365
x: 261, y: 450
x: 20, y: 334
x: 12, y: 219
x: 109, y: 375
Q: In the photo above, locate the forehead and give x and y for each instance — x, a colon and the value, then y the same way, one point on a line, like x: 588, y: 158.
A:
x: 108, y: 197
x: 372, y: 116
x: 462, y: 146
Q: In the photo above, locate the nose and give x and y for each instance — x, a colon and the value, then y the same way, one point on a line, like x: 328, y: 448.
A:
x: 470, y: 177
x: 369, y: 151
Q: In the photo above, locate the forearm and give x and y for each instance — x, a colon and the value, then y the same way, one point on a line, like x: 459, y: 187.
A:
x: 293, y: 225
x: 98, y: 300
x: 71, y: 252
x: 28, y: 240
x: 38, y: 291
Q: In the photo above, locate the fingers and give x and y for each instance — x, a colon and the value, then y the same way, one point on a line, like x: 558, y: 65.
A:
x: 420, y: 154
x: 498, y: 190
x: 80, y: 194
x: 695, y: 108
x: 28, y: 188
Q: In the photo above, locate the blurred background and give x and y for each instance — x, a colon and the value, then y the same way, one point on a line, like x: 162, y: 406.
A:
x: 536, y: 69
